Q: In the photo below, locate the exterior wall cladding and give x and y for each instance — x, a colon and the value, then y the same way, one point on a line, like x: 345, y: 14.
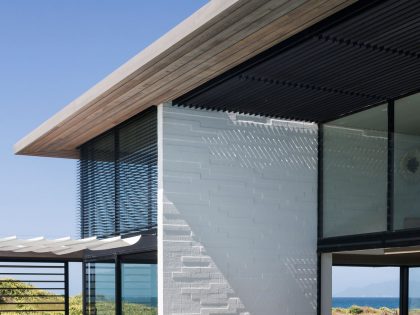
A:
x: 239, y: 214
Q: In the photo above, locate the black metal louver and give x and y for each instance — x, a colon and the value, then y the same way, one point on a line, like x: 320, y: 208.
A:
x: 118, y: 179
x: 363, y: 55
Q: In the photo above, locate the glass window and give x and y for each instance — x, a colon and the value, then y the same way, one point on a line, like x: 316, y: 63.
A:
x: 366, y: 290
x: 100, y: 278
x: 139, y: 289
x: 414, y: 291
x: 407, y: 163
x: 355, y: 173
x: 137, y: 174
x: 97, y: 184
x: 118, y: 179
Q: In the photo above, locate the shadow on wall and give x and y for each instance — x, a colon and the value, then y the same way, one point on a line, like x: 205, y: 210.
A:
x: 239, y: 214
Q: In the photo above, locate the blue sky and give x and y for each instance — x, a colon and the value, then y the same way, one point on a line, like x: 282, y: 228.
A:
x: 51, y: 52
x: 366, y: 281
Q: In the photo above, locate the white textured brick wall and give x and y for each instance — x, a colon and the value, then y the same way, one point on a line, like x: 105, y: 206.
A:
x: 239, y: 215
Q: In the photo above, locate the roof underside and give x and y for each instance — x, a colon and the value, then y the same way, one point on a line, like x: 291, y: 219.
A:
x: 218, y: 37
x: 364, y: 55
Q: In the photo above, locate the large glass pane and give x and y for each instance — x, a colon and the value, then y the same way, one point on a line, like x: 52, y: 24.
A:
x: 355, y: 173
x: 97, y: 186
x: 407, y: 163
x: 100, y: 297
x: 139, y: 289
x: 137, y: 173
x: 118, y: 179
x: 366, y: 290
x: 414, y: 292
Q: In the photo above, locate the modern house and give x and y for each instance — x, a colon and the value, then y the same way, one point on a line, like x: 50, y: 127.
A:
x: 227, y: 167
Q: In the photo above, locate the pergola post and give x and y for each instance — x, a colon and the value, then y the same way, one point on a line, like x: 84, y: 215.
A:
x: 66, y: 289
x: 404, y: 298
x: 118, y: 286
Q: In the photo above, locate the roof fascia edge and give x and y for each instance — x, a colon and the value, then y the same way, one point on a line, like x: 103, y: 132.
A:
x: 184, y: 29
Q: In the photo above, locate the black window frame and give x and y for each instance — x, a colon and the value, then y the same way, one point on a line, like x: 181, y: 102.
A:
x: 117, y: 208
x: 384, y: 239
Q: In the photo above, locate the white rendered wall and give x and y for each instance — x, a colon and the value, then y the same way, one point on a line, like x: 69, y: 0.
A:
x: 326, y: 283
x: 238, y: 214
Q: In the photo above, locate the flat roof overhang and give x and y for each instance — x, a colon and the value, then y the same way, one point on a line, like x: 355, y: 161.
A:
x: 366, y: 54
x: 218, y: 37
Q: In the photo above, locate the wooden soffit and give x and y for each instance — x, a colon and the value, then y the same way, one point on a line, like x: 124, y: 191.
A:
x: 219, y: 36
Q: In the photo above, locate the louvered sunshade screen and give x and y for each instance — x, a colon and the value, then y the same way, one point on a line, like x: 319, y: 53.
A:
x: 118, y: 179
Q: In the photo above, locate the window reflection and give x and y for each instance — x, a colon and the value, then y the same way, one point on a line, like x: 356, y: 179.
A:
x: 355, y: 173
x: 366, y: 290
x: 407, y: 163
x: 139, y: 289
x: 100, y: 279
x: 414, y: 292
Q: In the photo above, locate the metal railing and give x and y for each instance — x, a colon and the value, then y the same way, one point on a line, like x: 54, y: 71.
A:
x: 34, y: 287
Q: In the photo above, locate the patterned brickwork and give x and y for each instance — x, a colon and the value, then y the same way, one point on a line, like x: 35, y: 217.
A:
x: 239, y: 214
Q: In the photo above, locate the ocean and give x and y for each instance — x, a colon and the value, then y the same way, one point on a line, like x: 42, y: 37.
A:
x: 390, y: 302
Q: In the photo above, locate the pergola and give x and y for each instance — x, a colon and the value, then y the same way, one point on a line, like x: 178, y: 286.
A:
x: 44, y: 264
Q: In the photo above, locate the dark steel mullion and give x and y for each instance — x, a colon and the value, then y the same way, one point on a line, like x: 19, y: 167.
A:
x: 390, y: 169
x: 370, y: 241
x: 320, y: 220
x: 84, y: 288
x: 320, y: 180
x: 118, y: 286
x: 66, y: 289
x: 92, y: 288
x: 404, y: 278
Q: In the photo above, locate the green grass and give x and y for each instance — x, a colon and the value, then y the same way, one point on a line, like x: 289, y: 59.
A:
x: 11, y: 289
x: 365, y: 310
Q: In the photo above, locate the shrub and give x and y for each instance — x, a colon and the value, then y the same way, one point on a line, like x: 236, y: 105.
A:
x: 355, y: 310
